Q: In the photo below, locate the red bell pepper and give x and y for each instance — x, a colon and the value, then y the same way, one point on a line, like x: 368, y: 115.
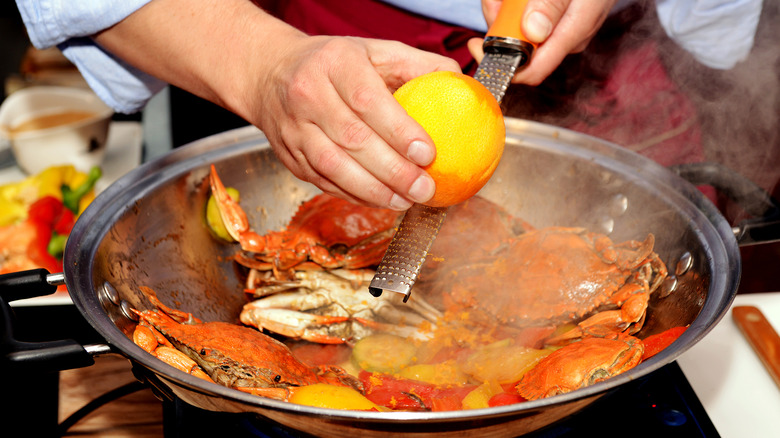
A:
x: 505, y: 398
x: 407, y: 394
x: 54, y: 222
x: 655, y: 343
x: 37, y: 250
x: 51, y: 212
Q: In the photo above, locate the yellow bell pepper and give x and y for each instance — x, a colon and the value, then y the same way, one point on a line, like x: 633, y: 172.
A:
x: 16, y: 198
x: 479, y: 398
x: 322, y: 395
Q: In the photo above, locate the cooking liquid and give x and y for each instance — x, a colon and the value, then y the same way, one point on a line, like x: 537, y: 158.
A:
x: 50, y: 121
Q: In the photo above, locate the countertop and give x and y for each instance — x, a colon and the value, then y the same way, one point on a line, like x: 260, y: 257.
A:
x: 736, y: 390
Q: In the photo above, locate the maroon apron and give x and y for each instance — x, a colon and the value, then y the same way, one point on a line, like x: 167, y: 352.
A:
x: 375, y: 19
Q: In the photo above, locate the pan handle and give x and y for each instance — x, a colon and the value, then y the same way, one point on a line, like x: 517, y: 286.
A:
x: 764, y: 226
x: 36, y: 356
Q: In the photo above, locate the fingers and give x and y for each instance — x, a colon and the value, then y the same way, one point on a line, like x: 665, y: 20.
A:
x: 354, y: 140
x: 559, y: 27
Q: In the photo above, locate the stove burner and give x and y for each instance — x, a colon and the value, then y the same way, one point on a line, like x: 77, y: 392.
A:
x: 659, y: 404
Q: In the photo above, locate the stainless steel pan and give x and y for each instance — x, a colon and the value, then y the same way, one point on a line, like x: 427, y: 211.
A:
x: 147, y: 229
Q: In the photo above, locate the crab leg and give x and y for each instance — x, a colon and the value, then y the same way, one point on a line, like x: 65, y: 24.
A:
x: 404, y: 331
x: 274, y: 393
x: 629, y: 317
x: 155, y: 343
x: 292, y: 323
x: 234, y: 217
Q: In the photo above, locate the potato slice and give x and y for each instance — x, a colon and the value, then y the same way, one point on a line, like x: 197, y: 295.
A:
x: 383, y: 353
x: 502, y: 362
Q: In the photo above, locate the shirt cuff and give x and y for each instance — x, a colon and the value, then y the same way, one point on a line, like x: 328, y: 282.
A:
x: 719, y: 33
x: 51, y: 22
x: 122, y: 86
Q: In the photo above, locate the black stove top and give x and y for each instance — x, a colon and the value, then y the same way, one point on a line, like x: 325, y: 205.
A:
x: 661, y: 404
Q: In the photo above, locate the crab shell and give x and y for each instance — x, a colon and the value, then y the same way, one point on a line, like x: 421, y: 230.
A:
x: 241, y: 357
x: 555, y: 275
x: 335, y: 307
x: 580, y: 364
x: 475, y: 224
x: 327, y: 232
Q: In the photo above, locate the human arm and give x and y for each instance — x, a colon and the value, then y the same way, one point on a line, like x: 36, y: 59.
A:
x: 324, y: 102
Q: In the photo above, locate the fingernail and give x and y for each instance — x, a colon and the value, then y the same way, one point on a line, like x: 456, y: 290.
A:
x: 399, y: 203
x: 421, y: 153
x: 537, y: 27
x: 422, y: 189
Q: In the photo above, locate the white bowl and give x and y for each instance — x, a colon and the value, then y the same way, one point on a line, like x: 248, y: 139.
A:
x: 81, y: 143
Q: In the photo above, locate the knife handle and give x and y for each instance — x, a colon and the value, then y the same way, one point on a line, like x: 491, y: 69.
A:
x: 508, y: 23
x: 761, y: 336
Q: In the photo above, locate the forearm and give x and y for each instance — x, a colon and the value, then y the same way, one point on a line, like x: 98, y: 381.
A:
x: 210, y: 48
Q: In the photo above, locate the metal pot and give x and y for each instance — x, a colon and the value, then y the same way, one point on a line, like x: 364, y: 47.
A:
x: 147, y: 230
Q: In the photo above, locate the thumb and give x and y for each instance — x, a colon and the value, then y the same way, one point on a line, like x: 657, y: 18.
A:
x: 475, y: 48
x: 540, y: 18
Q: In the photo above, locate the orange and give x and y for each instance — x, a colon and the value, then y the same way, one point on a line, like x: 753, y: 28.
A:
x: 466, y: 125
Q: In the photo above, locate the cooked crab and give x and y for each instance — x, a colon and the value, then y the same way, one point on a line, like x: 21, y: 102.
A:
x: 334, y: 307
x: 580, y: 364
x: 229, y: 354
x: 325, y: 233
x: 553, y: 276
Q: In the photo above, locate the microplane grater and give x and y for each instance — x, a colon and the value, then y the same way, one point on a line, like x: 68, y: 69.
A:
x: 409, y: 247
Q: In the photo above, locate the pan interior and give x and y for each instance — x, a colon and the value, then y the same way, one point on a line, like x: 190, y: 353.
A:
x: 148, y: 230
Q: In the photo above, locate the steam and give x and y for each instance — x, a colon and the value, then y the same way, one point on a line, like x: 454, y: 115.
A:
x: 739, y: 109
x: 611, y: 91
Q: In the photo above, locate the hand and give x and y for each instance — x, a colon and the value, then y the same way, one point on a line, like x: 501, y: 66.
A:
x: 329, y: 114
x: 325, y: 103
x: 560, y: 27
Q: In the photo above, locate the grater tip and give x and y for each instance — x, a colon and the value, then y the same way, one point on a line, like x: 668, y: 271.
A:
x: 407, y: 251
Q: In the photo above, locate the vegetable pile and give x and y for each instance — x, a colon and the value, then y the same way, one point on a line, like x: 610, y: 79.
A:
x: 37, y: 215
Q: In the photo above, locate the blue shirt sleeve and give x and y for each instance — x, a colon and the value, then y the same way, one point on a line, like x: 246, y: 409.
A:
x: 465, y: 13
x: 719, y: 33
x: 69, y: 24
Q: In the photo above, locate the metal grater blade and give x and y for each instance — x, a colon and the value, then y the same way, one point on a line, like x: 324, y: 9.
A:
x: 406, y: 253
x: 496, y: 70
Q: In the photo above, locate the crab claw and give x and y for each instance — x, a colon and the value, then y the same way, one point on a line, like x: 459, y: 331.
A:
x: 232, y: 214
x: 628, y: 318
x: 274, y: 393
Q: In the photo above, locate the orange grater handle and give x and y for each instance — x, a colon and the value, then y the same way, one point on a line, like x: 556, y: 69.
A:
x: 508, y: 23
